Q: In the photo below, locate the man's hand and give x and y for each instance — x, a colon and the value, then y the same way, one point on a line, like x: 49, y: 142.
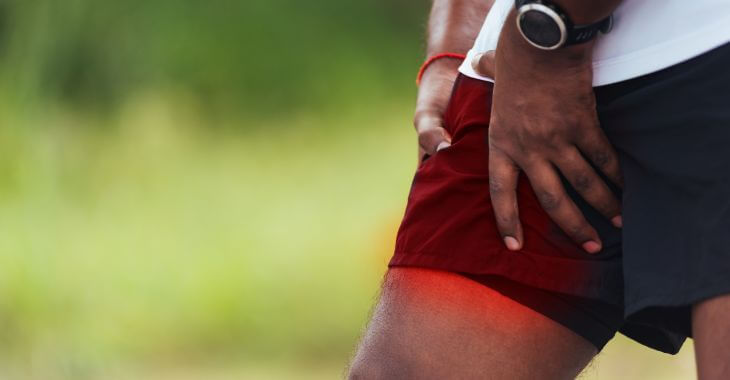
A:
x: 544, y: 122
x: 452, y: 28
x: 432, y: 137
x: 429, y: 118
x: 433, y: 96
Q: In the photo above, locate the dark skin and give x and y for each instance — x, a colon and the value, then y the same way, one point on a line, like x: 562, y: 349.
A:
x: 453, y: 27
x: 711, y: 332
x: 546, y: 129
x: 534, y: 131
x: 570, y: 160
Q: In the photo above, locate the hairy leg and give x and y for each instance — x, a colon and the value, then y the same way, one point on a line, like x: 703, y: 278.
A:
x: 439, y: 325
x: 711, y: 331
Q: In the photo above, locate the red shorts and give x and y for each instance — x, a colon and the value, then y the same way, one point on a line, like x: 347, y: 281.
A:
x: 449, y: 222
x: 449, y: 225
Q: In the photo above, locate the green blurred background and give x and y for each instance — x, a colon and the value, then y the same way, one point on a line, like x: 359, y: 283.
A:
x: 207, y: 190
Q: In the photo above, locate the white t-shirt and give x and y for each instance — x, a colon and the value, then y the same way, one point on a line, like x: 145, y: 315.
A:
x: 648, y: 35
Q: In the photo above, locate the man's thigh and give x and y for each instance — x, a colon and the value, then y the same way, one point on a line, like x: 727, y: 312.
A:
x: 440, y: 325
x: 711, y: 331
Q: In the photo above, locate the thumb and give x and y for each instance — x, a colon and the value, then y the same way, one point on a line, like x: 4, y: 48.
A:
x: 432, y: 136
x: 434, y: 139
x: 484, y: 64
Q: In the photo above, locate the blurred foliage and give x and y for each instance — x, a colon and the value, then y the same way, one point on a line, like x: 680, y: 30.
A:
x: 254, y: 56
x: 189, y: 184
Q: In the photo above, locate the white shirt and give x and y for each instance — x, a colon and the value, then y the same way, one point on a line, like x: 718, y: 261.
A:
x: 648, y: 35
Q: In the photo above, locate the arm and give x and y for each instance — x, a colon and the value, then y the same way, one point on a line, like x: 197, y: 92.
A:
x: 453, y: 26
x: 535, y: 131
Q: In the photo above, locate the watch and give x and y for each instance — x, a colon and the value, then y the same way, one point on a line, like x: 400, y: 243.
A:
x: 545, y: 26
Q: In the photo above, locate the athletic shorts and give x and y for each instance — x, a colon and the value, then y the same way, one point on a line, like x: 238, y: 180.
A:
x: 671, y: 130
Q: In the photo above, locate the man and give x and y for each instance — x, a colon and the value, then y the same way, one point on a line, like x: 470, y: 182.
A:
x: 585, y: 192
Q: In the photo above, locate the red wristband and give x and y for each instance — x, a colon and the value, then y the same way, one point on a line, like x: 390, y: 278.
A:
x: 434, y: 59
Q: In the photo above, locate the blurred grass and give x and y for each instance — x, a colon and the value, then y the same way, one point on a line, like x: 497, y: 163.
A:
x: 197, y: 185
x: 164, y: 242
x: 206, y: 190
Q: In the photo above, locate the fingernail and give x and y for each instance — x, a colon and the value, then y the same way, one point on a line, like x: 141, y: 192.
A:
x: 618, y: 221
x: 511, y: 243
x: 592, y: 247
x: 443, y: 145
x: 475, y: 61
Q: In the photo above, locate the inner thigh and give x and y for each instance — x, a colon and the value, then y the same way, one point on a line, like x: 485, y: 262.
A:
x: 711, y: 332
x: 440, y: 325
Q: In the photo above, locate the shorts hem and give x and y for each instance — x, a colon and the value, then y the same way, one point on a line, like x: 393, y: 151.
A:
x: 554, y: 306
x: 701, y: 293
x: 593, y: 289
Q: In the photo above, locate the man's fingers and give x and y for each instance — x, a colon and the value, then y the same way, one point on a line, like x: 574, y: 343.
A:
x: 432, y: 136
x: 434, y: 139
x: 589, y: 185
x: 503, y: 177
x: 553, y: 199
x: 596, y: 147
x: 484, y: 64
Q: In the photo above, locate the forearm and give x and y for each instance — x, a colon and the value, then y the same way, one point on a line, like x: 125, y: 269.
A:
x: 453, y: 26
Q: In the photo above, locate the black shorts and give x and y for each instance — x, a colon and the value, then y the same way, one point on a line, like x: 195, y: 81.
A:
x: 671, y: 130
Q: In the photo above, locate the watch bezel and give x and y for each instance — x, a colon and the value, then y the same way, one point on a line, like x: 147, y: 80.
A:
x: 555, y: 16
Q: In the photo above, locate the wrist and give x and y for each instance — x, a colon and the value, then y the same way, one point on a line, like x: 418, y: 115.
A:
x: 546, y: 25
x: 515, y: 49
x: 440, y: 69
x: 435, y: 88
x: 438, y: 59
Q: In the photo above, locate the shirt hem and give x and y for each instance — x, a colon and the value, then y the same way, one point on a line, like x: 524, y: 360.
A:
x: 645, y: 61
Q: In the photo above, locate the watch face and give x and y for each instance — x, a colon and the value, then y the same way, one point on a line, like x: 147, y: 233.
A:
x: 542, y: 26
x: 540, y: 29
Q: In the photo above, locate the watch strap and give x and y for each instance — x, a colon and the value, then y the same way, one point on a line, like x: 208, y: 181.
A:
x: 578, y: 34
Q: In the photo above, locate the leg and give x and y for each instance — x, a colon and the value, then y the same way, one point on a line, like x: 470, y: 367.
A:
x: 439, y: 325
x: 711, y: 331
